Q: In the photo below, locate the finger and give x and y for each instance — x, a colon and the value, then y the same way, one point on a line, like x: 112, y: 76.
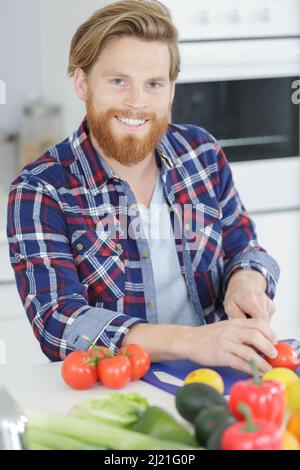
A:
x: 256, y: 306
x: 236, y: 362
x: 247, y: 354
x: 257, y: 340
x: 271, y: 309
x: 260, y: 325
x: 265, y: 307
x: 233, y: 311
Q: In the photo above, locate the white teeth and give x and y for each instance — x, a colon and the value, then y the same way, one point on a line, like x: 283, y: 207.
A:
x: 131, y: 122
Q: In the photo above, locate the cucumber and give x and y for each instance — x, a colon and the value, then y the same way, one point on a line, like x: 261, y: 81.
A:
x: 215, y: 439
x: 159, y: 423
x: 210, y: 419
x: 195, y: 397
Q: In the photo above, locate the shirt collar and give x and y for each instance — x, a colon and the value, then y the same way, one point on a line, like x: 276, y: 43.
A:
x: 97, y: 173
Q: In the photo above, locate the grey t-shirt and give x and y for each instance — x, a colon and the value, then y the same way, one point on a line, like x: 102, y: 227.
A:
x: 174, y: 304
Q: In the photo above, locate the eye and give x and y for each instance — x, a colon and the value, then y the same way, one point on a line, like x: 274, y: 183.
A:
x: 154, y: 85
x: 118, y: 81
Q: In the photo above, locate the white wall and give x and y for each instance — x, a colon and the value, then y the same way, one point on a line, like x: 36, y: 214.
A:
x: 34, y: 55
x: 20, y: 57
x: 59, y: 21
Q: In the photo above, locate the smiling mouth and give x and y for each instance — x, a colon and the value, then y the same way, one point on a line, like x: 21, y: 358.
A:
x: 132, y: 123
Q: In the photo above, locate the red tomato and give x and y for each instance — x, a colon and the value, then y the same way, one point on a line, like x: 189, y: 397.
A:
x: 77, y: 372
x: 114, y: 372
x: 99, y: 352
x: 139, y: 358
x: 287, y: 357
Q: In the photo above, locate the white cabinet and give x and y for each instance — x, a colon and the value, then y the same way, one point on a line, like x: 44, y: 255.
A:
x: 6, y: 271
x: 17, y: 341
x: 279, y: 234
x: 18, y: 344
x: 10, y: 302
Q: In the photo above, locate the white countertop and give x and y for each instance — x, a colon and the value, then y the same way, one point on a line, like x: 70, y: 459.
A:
x: 42, y: 387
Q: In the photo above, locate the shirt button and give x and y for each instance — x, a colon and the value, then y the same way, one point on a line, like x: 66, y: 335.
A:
x: 187, y: 227
x: 151, y: 304
x: 79, y: 246
x: 145, y: 254
x: 119, y: 246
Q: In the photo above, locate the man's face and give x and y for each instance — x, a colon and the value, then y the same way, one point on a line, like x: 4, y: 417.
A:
x: 129, y: 98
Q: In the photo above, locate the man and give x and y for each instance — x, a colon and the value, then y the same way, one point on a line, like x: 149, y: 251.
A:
x: 79, y: 217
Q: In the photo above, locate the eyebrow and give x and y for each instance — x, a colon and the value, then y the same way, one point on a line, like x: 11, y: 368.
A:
x: 124, y: 75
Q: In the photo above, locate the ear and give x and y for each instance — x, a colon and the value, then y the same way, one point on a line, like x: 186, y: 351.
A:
x: 80, y: 84
x: 172, y: 94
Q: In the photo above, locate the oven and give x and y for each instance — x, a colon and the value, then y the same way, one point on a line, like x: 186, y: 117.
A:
x: 240, y: 67
x: 253, y: 119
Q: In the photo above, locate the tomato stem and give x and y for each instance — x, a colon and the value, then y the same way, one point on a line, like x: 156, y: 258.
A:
x: 95, y: 359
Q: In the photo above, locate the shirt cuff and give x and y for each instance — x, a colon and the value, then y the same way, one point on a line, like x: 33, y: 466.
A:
x: 258, y: 261
x: 103, y: 328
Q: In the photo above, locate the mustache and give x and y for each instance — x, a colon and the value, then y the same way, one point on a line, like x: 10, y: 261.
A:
x: 126, y: 114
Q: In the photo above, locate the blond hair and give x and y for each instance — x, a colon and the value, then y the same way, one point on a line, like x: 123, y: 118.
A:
x: 145, y: 19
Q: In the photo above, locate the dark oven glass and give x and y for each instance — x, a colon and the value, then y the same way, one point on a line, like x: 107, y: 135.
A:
x: 252, y: 119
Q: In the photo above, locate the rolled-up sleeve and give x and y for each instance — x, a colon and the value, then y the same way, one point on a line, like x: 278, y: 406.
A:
x: 55, y: 301
x: 240, y: 245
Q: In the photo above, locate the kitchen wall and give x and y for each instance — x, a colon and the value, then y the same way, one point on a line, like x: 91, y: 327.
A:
x: 57, y: 32
x: 20, y: 57
x: 34, y: 55
x: 33, y: 63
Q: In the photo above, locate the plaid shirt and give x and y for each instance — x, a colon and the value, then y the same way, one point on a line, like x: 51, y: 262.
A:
x: 77, y: 277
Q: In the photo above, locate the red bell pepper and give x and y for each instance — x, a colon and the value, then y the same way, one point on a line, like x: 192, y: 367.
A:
x: 266, y: 399
x: 251, y: 434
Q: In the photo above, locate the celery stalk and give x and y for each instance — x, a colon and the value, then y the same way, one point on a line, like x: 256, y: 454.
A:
x: 34, y: 446
x: 114, y: 408
x: 39, y: 439
x: 98, y: 434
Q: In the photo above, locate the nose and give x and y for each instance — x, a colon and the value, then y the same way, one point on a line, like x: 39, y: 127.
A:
x: 135, y: 98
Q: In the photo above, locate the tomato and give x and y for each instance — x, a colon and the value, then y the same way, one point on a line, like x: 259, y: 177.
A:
x: 99, y: 353
x: 139, y: 358
x: 206, y: 376
x: 77, y: 372
x: 114, y: 372
x: 287, y: 357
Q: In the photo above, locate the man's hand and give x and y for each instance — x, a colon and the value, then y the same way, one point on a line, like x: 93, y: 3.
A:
x: 232, y: 343
x: 245, y: 295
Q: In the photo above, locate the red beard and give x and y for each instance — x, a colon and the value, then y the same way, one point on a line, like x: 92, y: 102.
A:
x: 128, y: 150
